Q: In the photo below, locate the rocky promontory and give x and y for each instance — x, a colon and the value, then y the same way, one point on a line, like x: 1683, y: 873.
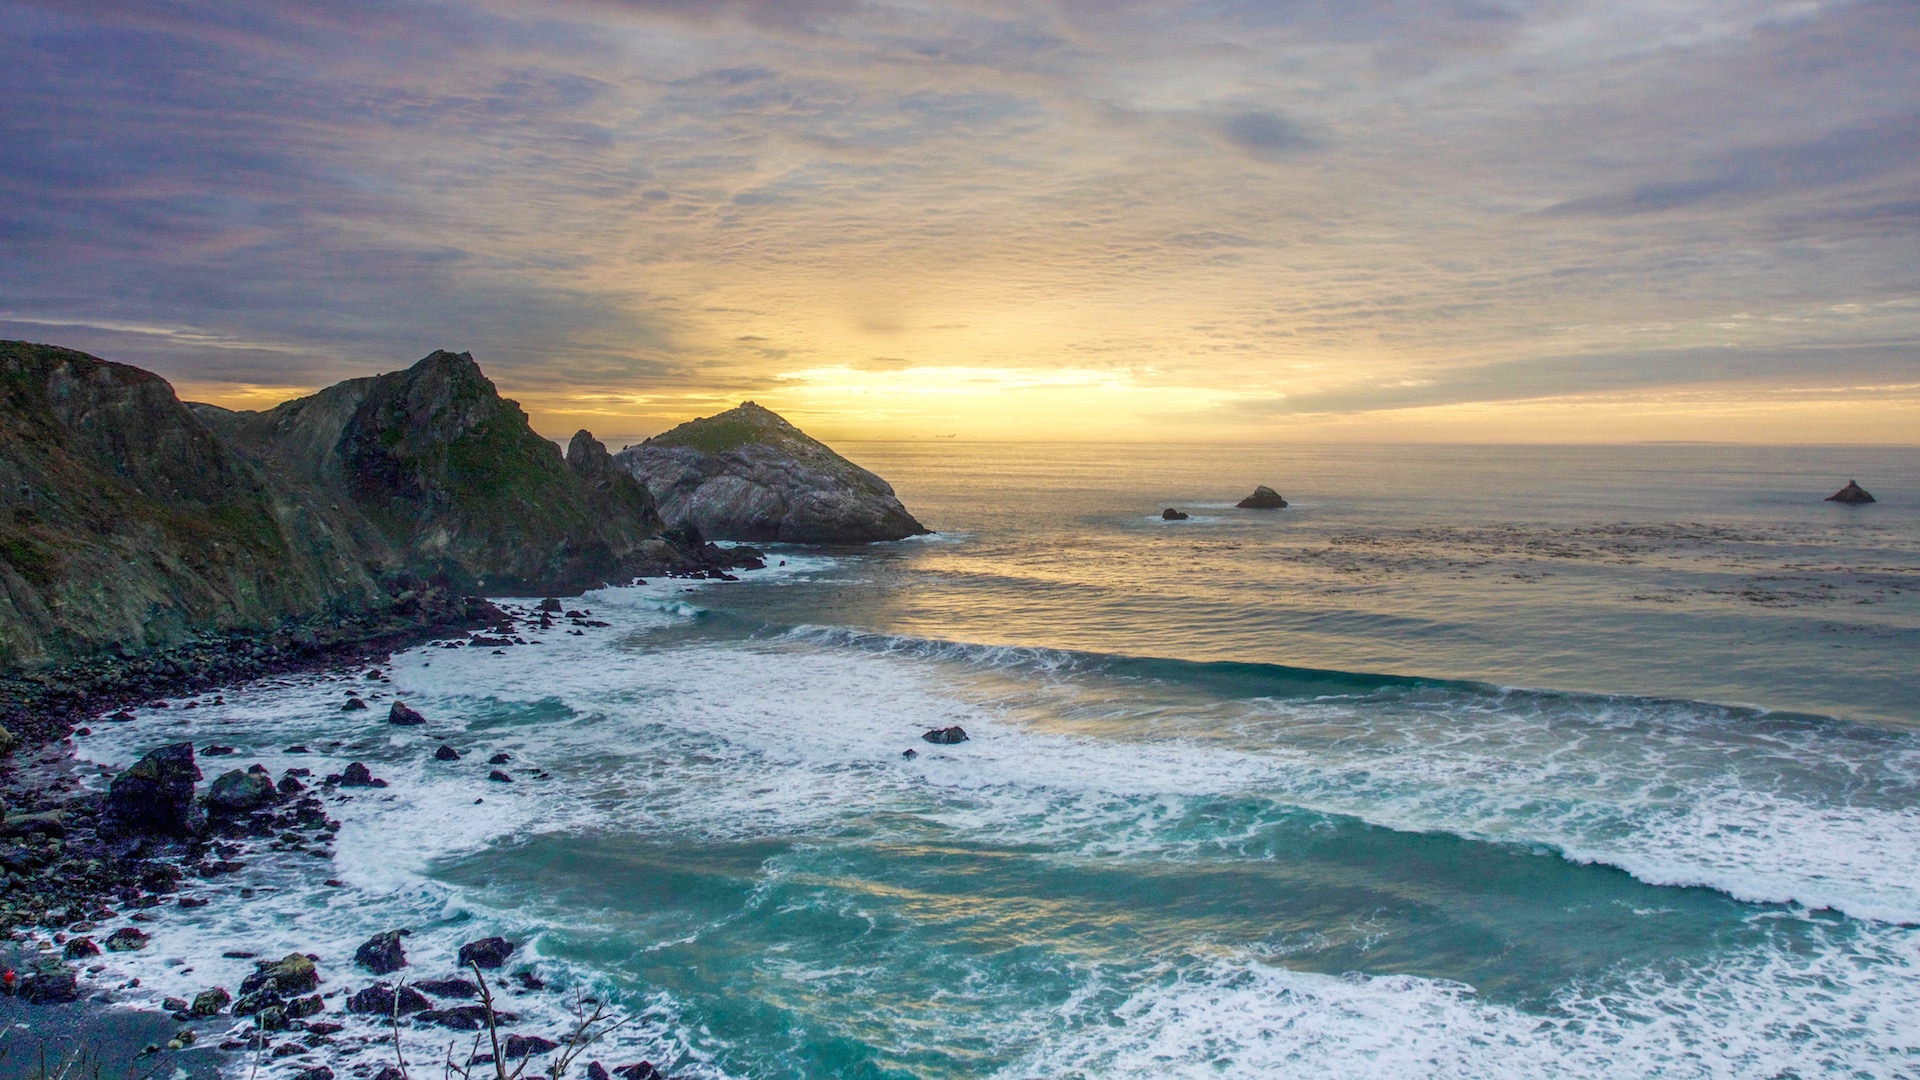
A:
x: 747, y: 474
x: 132, y: 523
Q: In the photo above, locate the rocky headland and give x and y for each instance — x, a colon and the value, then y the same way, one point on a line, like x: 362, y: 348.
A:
x: 747, y: 474
x: 152, y: 549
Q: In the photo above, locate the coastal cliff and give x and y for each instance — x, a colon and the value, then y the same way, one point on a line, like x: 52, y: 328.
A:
x: 132, y: 521
x: 747, y: 474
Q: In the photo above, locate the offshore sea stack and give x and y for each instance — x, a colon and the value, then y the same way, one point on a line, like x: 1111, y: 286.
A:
x: 1263, y: 498
x: 1853, y: 494
x: 747, y: 474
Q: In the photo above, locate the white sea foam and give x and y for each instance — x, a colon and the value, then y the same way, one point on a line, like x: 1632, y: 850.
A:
x: 1842, y: 1010
x: 794, y: 737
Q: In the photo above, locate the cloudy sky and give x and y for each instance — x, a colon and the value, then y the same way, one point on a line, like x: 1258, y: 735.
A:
x: 1233, y: 219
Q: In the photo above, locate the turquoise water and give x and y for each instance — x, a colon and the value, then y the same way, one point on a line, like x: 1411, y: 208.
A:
x: 1472, y: 763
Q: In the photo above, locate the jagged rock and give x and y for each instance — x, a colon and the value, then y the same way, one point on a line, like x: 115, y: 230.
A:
x: 238, y: 792
x: 1853, y: 494
x: 49, y: 988
x: 552, y: 603
x: 293, y: 974
x: 453, y: 988
x: 301, y: 1008
x: 404, y: 716
x: 272, y: 1018
x: 353, y: 704
x: 290, y: 786
x: 946, y: 736
x: 80, y: 948
x: 356, y: 774
x: 466, y: 1017
x: 318, y: 1072
x: 500, y: 758
x: 747, y: 474
x: 642, y: 1071
x: 382, y: 953
x: 1170, y: 514
x: 209, y: 1002
x: 127, y: 939
x: 446, y: 753
x: 487, y: 952
x: 499, y: 777
x: 519, y: 1046
x: 381, y: 1000
x: 155, y: 795
x: 1263, y: 498
x: 597, y: 1071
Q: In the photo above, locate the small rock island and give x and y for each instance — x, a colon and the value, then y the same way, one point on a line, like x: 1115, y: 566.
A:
x: 1853, y: 495
x: 747, y: 474
x: 1263, y: 498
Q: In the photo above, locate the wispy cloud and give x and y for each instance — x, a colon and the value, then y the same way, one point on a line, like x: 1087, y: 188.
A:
x: 1306, y: 208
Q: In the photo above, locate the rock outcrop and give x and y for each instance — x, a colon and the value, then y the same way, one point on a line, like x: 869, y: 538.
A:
x: 154, y: 796
x: 1853, y: 494
x: 746, y: 474
x: 1170, y: 514
x: 133, y: 521
x: 1263, y: 498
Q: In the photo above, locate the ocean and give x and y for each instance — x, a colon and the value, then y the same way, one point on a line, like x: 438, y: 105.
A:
x: 1472, y: 762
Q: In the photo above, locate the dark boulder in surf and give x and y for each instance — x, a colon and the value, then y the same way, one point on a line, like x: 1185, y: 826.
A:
x: 946, y: 736
x: 1263, y: 498
x: 1853, y: 495
x: 487, y: 952
x: 1170, y: 514
x: 382, y: 952
x: 404, y: 716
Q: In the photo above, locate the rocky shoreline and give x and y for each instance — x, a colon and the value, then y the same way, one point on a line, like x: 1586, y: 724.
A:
x: 86, y: 869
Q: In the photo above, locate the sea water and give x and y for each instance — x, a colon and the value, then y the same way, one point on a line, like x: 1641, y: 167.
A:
x: 1472, y: 762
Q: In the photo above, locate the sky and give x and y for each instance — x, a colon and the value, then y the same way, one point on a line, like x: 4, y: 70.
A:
x: 1327, y: 220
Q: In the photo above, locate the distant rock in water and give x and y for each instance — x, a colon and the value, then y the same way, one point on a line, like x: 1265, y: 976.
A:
x: 747, y: 474
x: 1263, y: 498
x: 1170, y: 514
x: 946, y: 736
x: 1852, y: 494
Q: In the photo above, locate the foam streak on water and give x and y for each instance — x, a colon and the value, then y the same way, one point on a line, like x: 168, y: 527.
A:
x: 1128, y: 870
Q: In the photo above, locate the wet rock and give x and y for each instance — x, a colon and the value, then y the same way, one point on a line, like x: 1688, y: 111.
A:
x: 500, y: 759
x: 466, y: 1017
x: 487, y: 952
x: 1853, y: 495
x: 293, y: 974
x: 1170, y: 514
x: 52, y: 823
x: 50, y: 988
x: 353, y: 704
x: 390, y: 1072
x: 642, y: 1071
x: 155, y: 795
x: 272, y: 1018
x: 356, y: 775
x: 216, y: 750
x: 403, y: 716
x: 550, y: 604
x: 382, y: 953
x: 450, y: 988
x: 127, y: 939
x: 529, y: 981
x: 910, y: 753
x: 1263, y: 498
x: 251, y: 1004
x: 446, y: 753
x: 80, y: 948
x: 946, y: 736
x: 519, y: 1046
x: 321, y: 1072
x: 290, y: 785
x: 301, y: 1008
x: 597, y: 1071
x: 238, y: 792
x: 499, y: 777
x: 382, y: 1000
x: 209, y: 1002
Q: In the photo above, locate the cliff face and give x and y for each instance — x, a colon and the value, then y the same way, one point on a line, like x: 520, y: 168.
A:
x: 454, y: 482
x: 747, y: 474
x: 126, y: 520
x: 129, y: 518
